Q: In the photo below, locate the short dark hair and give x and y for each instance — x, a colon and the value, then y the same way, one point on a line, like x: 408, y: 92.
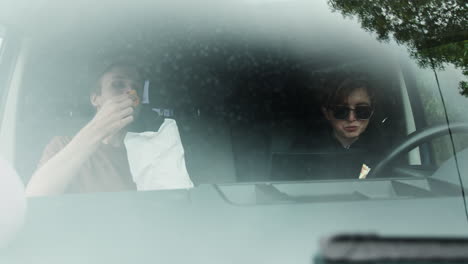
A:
x: 96, y: 87
x: 338, y: 87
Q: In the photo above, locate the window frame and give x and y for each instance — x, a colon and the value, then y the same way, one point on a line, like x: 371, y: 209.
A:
x: 9, y: 50
x: 425, y: 149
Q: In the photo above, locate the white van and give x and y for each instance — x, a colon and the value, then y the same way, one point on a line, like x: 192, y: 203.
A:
x: 281, y: 147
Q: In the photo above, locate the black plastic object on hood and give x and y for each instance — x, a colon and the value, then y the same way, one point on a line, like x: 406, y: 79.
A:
x: 381, y: 249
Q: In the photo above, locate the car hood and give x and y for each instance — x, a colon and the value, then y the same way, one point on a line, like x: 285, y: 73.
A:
x: 219, y: 224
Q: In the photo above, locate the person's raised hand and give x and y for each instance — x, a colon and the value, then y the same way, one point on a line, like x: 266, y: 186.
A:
x: 115, y: 114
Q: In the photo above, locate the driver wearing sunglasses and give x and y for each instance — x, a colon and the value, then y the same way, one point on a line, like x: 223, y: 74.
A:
x: 343, y: 145
x: 348, y: 108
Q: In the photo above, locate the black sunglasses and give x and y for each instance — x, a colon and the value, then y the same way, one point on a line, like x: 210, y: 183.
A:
x: 362, y: 112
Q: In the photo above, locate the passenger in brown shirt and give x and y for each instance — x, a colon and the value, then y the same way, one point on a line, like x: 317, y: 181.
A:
x: 106, y: 170
x: 95, y: 159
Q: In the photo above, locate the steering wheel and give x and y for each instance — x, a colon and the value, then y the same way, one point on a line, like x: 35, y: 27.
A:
x: 415, y: 139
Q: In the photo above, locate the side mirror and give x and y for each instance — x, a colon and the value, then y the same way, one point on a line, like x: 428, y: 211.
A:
x: 12, y: 203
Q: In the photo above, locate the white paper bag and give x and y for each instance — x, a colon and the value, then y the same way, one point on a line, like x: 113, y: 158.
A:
x: 157, y: 160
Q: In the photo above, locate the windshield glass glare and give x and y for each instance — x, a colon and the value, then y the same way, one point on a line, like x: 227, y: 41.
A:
x: 271, y: 91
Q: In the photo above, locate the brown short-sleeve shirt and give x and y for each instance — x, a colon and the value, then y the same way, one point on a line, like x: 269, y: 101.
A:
x: 107, y: 170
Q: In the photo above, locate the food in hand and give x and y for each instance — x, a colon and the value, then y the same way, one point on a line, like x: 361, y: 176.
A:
x: 136, y: 99
x: 364, y: 171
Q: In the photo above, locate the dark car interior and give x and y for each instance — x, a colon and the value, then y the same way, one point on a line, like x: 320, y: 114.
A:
x: 238, y: 102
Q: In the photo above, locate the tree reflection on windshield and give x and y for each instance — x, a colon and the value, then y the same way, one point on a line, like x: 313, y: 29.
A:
x: 434, y: 31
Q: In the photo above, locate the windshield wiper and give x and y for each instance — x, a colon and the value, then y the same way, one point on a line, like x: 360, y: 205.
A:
x: 378, y: 249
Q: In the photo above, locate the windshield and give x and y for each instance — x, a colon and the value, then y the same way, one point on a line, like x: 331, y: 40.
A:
x: 162, y: 97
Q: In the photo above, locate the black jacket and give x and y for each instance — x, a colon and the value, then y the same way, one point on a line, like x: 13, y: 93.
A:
x: 322, y: 157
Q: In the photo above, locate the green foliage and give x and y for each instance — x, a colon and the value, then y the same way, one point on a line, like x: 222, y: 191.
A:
x: 463, y: 87
x: 435, y: 31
